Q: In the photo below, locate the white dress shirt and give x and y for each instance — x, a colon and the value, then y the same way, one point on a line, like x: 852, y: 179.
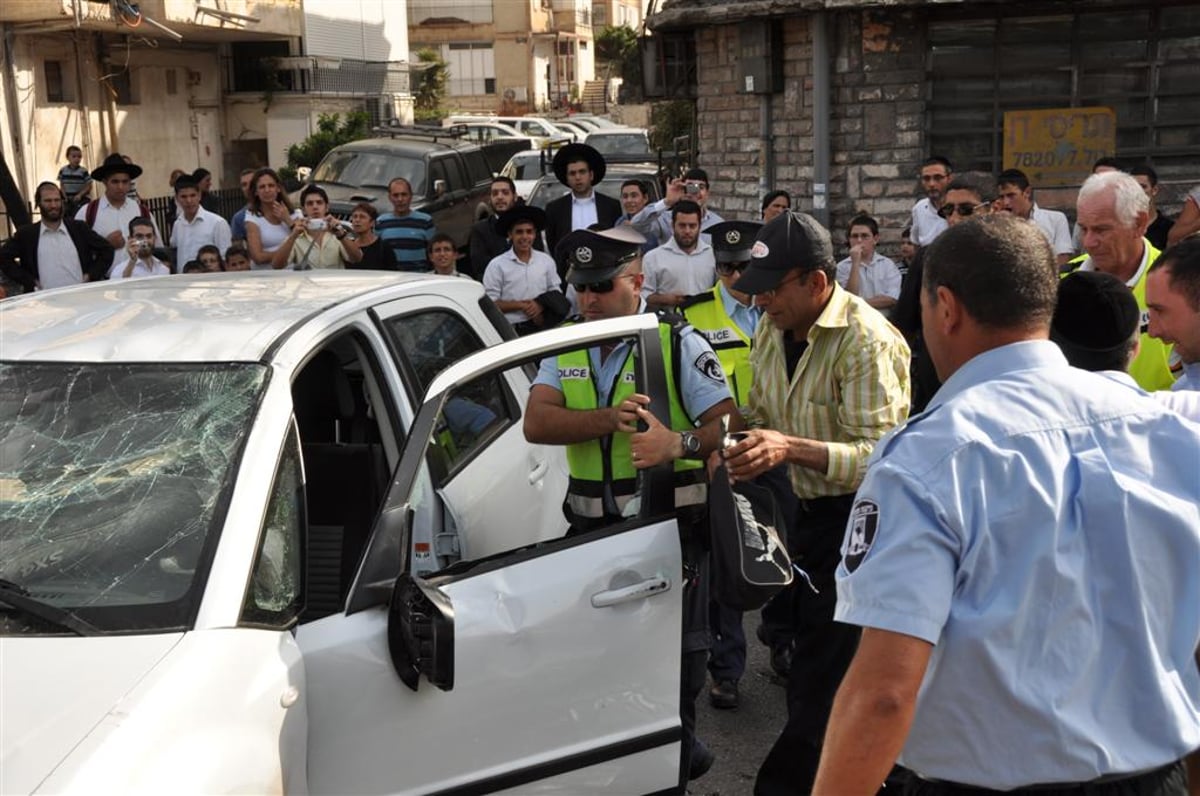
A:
x: 669, y: 269
x: 110, y: 219
x: 1054, y: 226
x: 58, y: 259
x: 879, y: 277
x: 926, y: 223
x: 206, y: 229
x: 583, y: 212
x: 507, y: 278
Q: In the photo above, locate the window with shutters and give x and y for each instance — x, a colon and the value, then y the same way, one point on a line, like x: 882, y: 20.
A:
x: 1138, y: 59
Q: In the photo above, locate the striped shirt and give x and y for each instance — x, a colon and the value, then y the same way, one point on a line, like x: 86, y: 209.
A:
x: 407, y: 237
x: 849, y: 388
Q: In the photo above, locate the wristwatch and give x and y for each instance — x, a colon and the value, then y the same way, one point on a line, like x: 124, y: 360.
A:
x: 691, y: 445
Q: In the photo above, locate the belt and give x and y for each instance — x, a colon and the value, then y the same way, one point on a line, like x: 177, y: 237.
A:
x: 1104, y: 779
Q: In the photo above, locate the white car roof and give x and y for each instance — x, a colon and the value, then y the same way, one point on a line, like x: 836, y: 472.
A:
x: 234, y: 317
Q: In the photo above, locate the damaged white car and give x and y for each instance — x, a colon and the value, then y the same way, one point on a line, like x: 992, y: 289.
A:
x: 270, y: 533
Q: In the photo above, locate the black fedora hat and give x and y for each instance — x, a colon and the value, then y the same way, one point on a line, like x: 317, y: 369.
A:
x: 573, y: 152
x: 115, y: 164
x: 521, y: 212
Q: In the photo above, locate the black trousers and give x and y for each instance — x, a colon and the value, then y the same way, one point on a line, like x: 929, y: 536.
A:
x: 1170, y: 780
x: 823, y: 650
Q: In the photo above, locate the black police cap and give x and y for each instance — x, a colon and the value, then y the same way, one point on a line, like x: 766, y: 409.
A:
x: 595, y: 256
x: 733, y: 240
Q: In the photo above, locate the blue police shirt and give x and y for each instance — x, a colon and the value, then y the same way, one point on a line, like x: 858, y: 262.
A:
x: 746, y: 318
x: 1040, y: 526
x: 701, y: 380
x: 1189, y: 379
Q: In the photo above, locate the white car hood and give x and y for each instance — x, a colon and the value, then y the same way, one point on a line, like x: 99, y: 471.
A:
x: 54, y: 691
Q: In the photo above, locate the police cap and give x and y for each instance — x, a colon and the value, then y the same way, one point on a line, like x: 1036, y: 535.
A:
x: 790, y: 240
x: 595, y: 256
x: 732, y: 240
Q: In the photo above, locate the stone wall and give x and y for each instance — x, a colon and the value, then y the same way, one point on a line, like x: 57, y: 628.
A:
x: 875, y: 128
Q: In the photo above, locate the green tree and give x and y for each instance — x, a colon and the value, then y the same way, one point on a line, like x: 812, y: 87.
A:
x: 429, y: 86
x: 332, y: 131
x: 617, y: 50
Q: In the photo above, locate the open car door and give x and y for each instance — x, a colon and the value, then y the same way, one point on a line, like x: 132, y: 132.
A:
x: 552, y: 666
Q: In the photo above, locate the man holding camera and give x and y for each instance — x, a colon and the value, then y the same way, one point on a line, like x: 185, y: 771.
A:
x: 317, y: 239
x: 139, y: 248
x: 693, y: 188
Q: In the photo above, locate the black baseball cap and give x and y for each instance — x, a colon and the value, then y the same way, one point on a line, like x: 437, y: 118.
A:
x: 790, y: 240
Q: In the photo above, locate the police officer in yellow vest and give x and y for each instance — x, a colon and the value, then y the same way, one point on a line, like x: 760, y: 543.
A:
x: 1113, y: 213
x: 587, y: 400
x: 727, y: 318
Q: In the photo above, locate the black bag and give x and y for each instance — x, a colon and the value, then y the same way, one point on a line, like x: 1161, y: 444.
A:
x: 750, y: 563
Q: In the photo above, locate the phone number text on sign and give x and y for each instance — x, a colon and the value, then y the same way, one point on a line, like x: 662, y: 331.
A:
x: 1056, y: 147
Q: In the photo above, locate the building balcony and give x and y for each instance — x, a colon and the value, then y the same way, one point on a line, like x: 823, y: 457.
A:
x: 182, y: 20
x: 573, y: 16
x: 315, y: 75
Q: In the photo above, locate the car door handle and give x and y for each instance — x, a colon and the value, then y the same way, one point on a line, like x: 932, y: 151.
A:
x: 539, y: 471
x: 625, y: 594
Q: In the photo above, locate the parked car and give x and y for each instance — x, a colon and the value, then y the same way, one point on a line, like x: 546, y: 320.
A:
x: 282, y: 532
x: 524, y: 169
x: 450, y: 177
x: 548, y: 188
x: 543, y: 132
x: 631, y: 141
x: 484, y: 132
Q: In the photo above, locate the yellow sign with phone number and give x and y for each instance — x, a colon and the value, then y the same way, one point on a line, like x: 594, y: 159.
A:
x: 1056, y: 147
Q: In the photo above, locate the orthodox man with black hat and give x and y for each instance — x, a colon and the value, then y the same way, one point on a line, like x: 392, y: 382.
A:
x: 727, y: 318
x: 830, y: 379
x: 587, y: 401
x: 580, y: 168
x: 110, y: 214
x: 1097, y: 324
x: 517, y: 279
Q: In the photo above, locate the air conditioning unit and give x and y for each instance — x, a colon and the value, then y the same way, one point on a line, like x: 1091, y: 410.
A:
x: 517, y: 94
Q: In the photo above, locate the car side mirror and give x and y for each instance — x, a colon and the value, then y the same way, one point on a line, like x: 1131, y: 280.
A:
x: 439, y: 187
x: 421, y: 633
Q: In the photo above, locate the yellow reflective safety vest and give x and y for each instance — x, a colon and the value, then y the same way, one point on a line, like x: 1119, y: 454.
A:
x: 608, y: 460
x: 706, y: 313
x: 1151, y: 368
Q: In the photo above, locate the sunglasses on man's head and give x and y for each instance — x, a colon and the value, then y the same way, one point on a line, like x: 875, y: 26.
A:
x: 729, y: 269
x: 964, y: 209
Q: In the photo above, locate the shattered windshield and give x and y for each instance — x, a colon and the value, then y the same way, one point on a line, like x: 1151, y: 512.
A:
x: 114, y: 481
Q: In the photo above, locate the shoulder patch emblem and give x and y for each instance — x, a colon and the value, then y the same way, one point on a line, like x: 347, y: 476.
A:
x: 864, y: 521
x: 708, y: 364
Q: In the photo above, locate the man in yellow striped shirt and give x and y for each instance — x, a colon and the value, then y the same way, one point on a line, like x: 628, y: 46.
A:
x: 830, y: 378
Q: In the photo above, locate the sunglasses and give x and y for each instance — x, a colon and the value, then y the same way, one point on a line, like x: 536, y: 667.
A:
x: 729, y: 269
x: 603, y: 286
x: 963, y: 209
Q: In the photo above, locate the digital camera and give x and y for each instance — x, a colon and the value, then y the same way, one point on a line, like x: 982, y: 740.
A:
x: 315, y: 224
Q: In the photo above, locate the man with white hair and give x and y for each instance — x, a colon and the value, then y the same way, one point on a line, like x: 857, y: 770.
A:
x: 1113, y: 213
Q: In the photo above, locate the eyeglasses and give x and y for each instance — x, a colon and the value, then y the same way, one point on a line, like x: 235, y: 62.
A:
x: 729, y: 269
x: 964, y: 209
x: 770, y: 294
x: 603, y: 286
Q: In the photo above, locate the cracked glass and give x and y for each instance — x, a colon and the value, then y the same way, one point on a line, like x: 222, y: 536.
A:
x: 114, y: 482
